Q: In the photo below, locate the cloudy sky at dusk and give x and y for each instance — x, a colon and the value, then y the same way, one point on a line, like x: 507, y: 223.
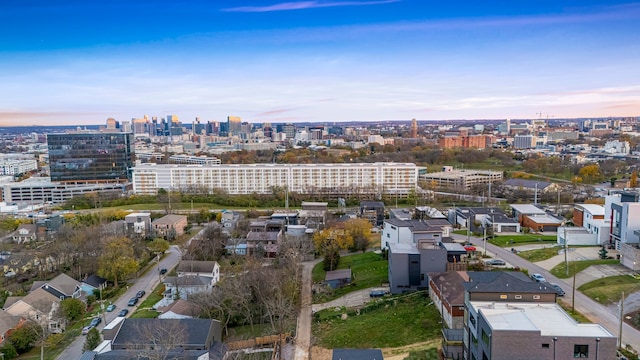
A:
x: 79, y: 61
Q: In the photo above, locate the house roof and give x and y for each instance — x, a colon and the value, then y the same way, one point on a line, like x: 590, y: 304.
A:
x: 527, y: 184
x: 338, y: 274
x: 505, y: 281
x: 545, y: 219
x: 136, y: 331
x: 401, y: 248
x: 197, y: 266
x: 419, y: 225
x: 527, y: 209
x: 263, y: 235
x: 189, y: 280
x: 593, y: 209
x: 449, y: 284
x: 63, y: 283
x: 170, y: 219
x: 357, y: 354
x: 31, y: 228
x: 372, y: 204
x: 94, y: 281
x: 181, y: 307
x: 38, y: 299
x: 8, y: 321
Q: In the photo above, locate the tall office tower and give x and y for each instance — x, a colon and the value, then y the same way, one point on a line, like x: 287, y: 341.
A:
x: 508, y: 126
x: 175, y: 126
x: 112, y: 124
x: 267, y: 130
x: 234, y: 125
x: 213, y: 128
x: 289, y: 130
x: 90, y: 156
x: 126, y: 126
x: 197, y: 128
x: 153, y: 126
x: 414, y: 129
x: 140, y: 126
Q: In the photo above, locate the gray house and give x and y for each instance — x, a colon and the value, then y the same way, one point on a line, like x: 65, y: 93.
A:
x: 409, y: 265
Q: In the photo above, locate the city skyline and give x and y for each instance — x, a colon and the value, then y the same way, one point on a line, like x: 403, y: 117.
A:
x: 317, y: 61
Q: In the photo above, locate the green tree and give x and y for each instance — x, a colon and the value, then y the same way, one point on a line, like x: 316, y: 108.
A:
x: 24, y: 338
x: 9, y: 351
x: 72, y: 309
x: 117, y: 261
x: 603, y: 253
x: 158, y: 245
x: 93, y: 340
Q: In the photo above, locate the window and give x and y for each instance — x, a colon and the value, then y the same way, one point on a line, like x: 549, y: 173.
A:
x: 536, y: 297
x: 485, y: 338
x: 503, y: 296
x: 580, y: 351
x: 545, y: 346
x: 518, y: 297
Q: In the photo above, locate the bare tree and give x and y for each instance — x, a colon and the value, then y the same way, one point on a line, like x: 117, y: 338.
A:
x: 157, y: 341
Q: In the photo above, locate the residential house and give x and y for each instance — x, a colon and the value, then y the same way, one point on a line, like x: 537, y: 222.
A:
x: 193, y: 277
x: 8, y: 323
x: 40, y: 306
x: 623, y: 209
x: 229, y: 219
x: 409, y: 265
x: 630, y: 254
x: 48, y: 225
x: 447, y: 293
x: 428, y: 212
x: 265, y: 236
x: 591, y: 227
x: 313, y: 215
x: 531, y: 185
x: 25, y: 233
x: 188, y: 339
x: 62, y: 286
x: 372, y: 211
x: 396, y: 231
x: 179, y: 309
x: 478, y: 218
x: 357, y: 354
x: 138, y: 224
x: 401, y: 214
x: 92, y: 283
x: 338, y: 278
x: 169, y: 226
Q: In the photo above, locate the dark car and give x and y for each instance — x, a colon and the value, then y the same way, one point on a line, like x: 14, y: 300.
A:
x: 123, y: 312
x: 140, y: 294
x: 95, y: 322
x: 133, y: 301
x: 163, y: 271
x: 377, y: 293
x: 558, y: 289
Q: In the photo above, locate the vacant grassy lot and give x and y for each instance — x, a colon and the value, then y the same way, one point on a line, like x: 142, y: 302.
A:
x: 609, y: 290
x: 514, y: 240
x: 390, y: 322
x: 560, y: 270
x: 367, y: 270
x: 539, y: 254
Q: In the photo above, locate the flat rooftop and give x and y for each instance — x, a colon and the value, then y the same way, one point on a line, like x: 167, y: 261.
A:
x: 548, y: 318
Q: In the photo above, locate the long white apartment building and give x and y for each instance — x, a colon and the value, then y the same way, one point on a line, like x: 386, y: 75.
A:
x: 350, y: 178
x: 17, y: 167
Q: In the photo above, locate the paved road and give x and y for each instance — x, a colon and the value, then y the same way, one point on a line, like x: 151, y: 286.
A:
x: 303, y: 330
x: 147, y: 282
x: 607, y: 317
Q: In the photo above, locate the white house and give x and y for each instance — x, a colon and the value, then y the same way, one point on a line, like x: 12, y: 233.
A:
x: 397, y: 231
x: 193, y: 277
x: 591, y: 226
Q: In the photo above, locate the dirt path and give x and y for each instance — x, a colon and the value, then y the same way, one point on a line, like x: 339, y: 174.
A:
x: 303, y: 332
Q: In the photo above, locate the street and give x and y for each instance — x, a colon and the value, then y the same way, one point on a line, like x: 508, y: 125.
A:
x: 147, y: 282
x: 607, y: 317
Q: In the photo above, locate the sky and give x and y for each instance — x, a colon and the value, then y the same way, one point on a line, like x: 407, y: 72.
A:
x: 70, y: 62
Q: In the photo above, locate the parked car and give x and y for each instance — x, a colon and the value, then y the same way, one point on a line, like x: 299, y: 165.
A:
x: 85, y: 330
x: 95, y: 321
x: 558, y: 289
x: 377, y: 293
x: 132, y: 301
x: 538, y: 278
x: 495, y: 262
x: 123, y: 312
x: 111, y: 307
x: 140, y: 294
x: 163, y: 271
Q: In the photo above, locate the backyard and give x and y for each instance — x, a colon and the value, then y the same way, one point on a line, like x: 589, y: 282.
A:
x: 515, y: 240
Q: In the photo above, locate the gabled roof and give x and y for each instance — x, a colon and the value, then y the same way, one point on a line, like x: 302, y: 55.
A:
x: 181, y: 307
x: 197, y: 266
x: 338, y: 274
x: 31, y: 228
x: 134, y: 332
x: 504, y: 281
x: 357, y: 354
x: 189, y: 280
x: 94, y: 281
x: 8, y: 321
x: 169, y: 219
x: 263, y: 235
x: 63, y: 283
x: 449, y: 284
x: 38, y: 299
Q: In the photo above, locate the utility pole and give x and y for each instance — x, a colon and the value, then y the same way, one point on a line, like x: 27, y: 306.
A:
x: 621, y: 315
x: 566, y: 250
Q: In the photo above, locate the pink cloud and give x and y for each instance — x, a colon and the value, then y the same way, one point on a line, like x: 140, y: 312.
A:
x: 300, y: 5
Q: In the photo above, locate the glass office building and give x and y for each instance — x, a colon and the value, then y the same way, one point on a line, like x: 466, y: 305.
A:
x: 90, y: 156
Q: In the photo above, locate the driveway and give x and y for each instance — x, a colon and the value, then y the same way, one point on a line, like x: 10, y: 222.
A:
x: 352, y: 299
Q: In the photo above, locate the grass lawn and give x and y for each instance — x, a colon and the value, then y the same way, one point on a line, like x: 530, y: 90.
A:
x: 429, y: 354
x: 391, y: 322
x: 608, y: 290
x: 574, y: 314
x: 514, y: 240
x: 367, y: 270
x: 560, y: 270
x: 145, y: 309
x: 539, y: 254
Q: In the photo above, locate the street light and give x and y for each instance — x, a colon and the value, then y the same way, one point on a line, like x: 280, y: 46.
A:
x: 597, y: 343
x: 555, y: 339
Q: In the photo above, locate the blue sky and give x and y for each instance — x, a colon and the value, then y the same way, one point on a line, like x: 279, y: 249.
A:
x: 82, y: 61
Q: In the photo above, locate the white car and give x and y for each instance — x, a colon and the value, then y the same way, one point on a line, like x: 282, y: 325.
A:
x: 538, y: 278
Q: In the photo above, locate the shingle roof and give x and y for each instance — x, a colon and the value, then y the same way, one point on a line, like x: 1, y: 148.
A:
x: 338, y: 274
x: 135, y: 331
x: 504, y: 281
x: 7, y: 321
x: 450, y: 286
x: 196, y: 266
x: 188, y: 280
x: 39, y: 299
x: 527, y: 184
x: 64, y: 283
x: 94, y: 280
